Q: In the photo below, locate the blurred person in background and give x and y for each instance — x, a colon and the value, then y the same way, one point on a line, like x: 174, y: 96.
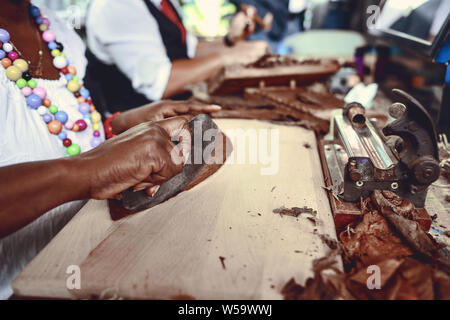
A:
x: 287, y: 17
x: 139, y: 51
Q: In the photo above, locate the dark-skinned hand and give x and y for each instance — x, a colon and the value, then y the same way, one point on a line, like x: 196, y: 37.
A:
x: 142, y: 157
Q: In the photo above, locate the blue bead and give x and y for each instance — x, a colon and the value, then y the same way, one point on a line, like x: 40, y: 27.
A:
x: 34, y: 11
x: 84, y: 108
x: 38, y: 20
x: 4, y: 35
x: 87, y: 116
x: 85, y: 93
x: 34, y: 101
x: 52, y: 45
x: 61, y: 116
x: 95, y: 142
x: 2, y: 54
x: 62, y: 135
x: 68, y: 77
x: 47, y: 118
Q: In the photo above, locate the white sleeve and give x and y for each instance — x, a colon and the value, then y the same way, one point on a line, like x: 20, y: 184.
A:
x: 124, y: 33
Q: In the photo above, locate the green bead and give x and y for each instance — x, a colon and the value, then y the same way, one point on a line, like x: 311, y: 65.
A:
x: 73, y: 149
x: 21, y: 83
x: 32, y: 83
x: 75, y: 78
x: 53, y: 109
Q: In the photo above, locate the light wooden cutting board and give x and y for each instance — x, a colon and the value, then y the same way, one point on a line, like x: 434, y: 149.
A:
x: 219, y: 240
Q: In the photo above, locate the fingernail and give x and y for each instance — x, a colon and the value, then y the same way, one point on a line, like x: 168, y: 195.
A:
x: 216, y: 107
x: 154, y: 190
x: 138, y: 189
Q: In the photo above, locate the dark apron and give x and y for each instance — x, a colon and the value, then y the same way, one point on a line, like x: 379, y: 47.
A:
x: 110, y: 89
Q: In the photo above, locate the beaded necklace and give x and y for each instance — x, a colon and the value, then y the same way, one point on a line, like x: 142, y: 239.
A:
x: 57, y: 121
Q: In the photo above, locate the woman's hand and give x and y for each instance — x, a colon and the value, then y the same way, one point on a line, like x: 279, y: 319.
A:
x: 142, y: 157
x: 159, y: 111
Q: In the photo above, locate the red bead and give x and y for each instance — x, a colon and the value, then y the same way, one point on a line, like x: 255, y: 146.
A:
x: 89, y: 101
x: 65, y: 70
x: 82, y: 125
x: 67, y: 142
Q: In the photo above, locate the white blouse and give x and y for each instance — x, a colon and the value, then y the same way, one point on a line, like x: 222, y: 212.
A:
x: 124, y: 33
x: 24, y: 137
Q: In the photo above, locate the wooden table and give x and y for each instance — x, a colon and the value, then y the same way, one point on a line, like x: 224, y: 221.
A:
x: 219, y: 240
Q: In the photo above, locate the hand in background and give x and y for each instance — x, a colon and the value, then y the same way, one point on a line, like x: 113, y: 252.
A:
x: 159, y: 111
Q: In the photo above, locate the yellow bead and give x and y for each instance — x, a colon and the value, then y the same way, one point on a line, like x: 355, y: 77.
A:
x: 43, y: 27
x: 13, y: 73
x: 96, y: 117
x: 21, y: 64
x: 73, y: 86
x: 96, y: 126
x: 56, y: 52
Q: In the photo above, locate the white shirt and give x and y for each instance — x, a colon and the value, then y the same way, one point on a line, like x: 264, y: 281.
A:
x: 125, y: 33
x: 24, y: 137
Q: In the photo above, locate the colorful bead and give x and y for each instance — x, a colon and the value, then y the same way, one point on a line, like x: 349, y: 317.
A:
x: 75, y: 128
x: 53, y: 109
x: 13, y: 55
x: 21, y: 83
x: 95, y: 142
x: 46, y: 103
x: 21, y: 64
x: 55, y: 52
x: 65, y: 70
x: 27, y: 76
x: 96, y: 126
x: 54, y: 127
x: 59, y: 62
x: 34, y: 11
x: 2, y: 54
x: 4, y: 35
x: 6, y: 62
x: 46, y: 21
x: 72, y: 70
x: 59, y: 46
x: 80, y: 100
x: 48, y: 36
x: 13, y: 73
x: 52, y: 45
x: 26, y: 91
x: 84, y: 93
x: 61, y: 116
x: 40, y: 92
x: 38, y: 20
x: 47, y: 118
x: 73, y: 86
x: 42, y: 110
x: 69, y: 125
x: 32, y: 83
x: 73, y: 149
x: 84, y: 108
x: 68, y: 77
x: 96, y: 133
x: 96, y: 117
x: 43, y: 27
x: 7, y: 47
x: 67, y: 143
x: 62, y: 136
x: 82, y: 125
x: 34, y: 101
